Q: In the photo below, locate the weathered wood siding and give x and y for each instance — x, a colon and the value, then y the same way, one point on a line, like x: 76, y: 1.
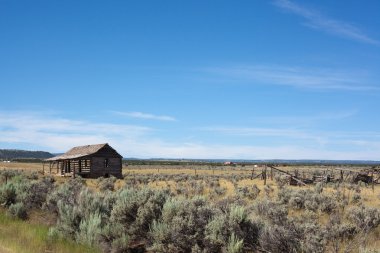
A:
x: 98, y: 168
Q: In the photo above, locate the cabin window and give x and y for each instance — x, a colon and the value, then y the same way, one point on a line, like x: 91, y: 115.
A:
x: 106, y: 163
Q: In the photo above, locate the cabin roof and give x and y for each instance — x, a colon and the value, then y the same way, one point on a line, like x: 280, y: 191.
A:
x: 81, y: 151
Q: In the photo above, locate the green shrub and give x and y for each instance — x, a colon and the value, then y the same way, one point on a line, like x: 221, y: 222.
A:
x: 65, y: 193
x: 90, y: 229
x: 187, y: 220
x: 106, y: 184
x: 278, y: 239
x: 7, y: 194
x: 365, y: 218
x: 18, y: 210
x: 234, y: 244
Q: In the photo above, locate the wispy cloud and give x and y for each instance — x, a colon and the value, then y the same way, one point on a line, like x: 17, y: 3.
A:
x: 141, y: 115
x: 57, y: 134
x: 310, y: 78
x: 318, y: 21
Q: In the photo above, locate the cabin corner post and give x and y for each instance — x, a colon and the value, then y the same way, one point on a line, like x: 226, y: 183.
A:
x: 121, y: 167
x: 74, y: 169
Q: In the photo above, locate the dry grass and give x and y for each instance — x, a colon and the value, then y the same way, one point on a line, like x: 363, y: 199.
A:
x: 24, y: 166
x: 18, y: 236
x: 188, y: 170
x: 369, y: 197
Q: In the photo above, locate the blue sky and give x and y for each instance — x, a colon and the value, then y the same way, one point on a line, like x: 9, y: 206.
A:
x: 274, y: 79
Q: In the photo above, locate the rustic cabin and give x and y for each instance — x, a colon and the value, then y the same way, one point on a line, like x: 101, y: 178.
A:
x: 90, y: 161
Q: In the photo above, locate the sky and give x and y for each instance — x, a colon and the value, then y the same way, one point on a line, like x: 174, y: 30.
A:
x: 276, y: 79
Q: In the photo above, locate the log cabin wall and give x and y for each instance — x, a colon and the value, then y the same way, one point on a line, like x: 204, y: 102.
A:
x: 105, y: 167
x: 91, y: 161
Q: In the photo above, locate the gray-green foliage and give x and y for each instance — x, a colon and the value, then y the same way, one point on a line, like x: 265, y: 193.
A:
x: 106, y: 184
x: 136, y: 209
x: 234, y: 223
x: 7, y: 194
x: 117, y: 221
x: 235, y: 245
x: 187, y: 220
x: 66, y: 193
x: 250, y: 193
x: 90, y: 229
x: 33, y: 194
x: 365, y: 218
x: 18, y: 210
x: 311, y: 200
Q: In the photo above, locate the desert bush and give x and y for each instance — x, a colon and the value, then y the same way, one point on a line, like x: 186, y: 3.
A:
x: 105, y: 184
x: 339, y: 232
x: 90, y: 229
x: 368, y: 250
x: 234, y: 244
x: 82, y: 217
x: 121, y: 244
x: 219, y: 191
x: 7, y: 194
x: 326, y: 204
x: 33, y: 194
x: 18, y: 210
x: 8, y: 174
x: 318, y: 188
x: 136, y: 209
x: 313, y: 239
x: 312, y: 234
x: 365, y: 218
x: 234, y: 224
x: 216, y: 233
x: 356, y: 198
x: 33, y: 175
x: 297, y: 199
x: 149, y: 211
x: 65, y: 193
x: 278, y: 239
x: 69, y: 219
x: 281, y: 180
x: 268, y: 190
x: 284, y: 194
x: 311, y: 204
x: 274, y: 212
x: 182, y: 225
x: 250, y: 193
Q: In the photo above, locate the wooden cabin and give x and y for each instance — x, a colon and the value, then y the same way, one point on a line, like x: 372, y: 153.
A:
x: 90, y: 161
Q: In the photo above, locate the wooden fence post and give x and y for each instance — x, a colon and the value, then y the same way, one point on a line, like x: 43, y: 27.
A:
x: 373, y: 183
x: 271, y: 174
x: 265, y: 175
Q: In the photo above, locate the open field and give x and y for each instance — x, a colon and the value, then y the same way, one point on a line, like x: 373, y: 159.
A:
x: 181, y: 208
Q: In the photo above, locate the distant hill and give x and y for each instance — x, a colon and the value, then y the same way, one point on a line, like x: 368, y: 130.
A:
x: 11, y: 154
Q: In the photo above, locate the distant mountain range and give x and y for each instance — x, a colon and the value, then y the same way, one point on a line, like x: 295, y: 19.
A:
x: 10, y: 154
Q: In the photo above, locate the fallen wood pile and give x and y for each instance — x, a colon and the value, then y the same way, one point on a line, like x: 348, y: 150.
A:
x: 368, y: 176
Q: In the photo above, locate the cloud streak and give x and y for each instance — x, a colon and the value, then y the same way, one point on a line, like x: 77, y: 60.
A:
x: 306, y: 78
x: 148, y: 116
x: 57, y: 134
x: 317, y: 21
